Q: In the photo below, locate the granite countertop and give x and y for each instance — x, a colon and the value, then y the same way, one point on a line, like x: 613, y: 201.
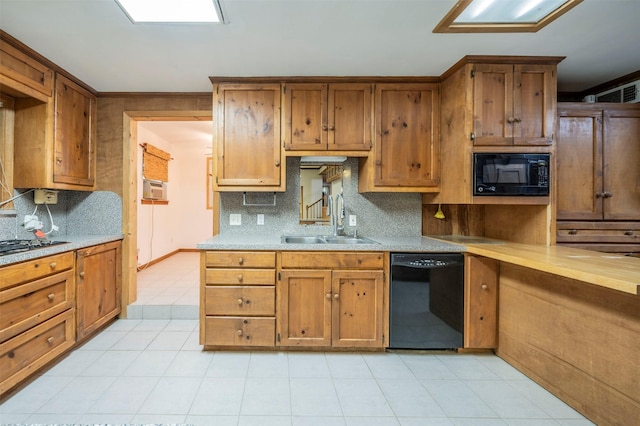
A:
x: 74, y: 242
x: 416, y: 244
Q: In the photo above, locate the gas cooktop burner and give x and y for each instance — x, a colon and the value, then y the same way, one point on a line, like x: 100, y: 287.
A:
x: 17, y: 246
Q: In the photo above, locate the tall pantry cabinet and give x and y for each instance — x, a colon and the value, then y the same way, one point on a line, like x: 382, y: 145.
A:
x: 598, y: 175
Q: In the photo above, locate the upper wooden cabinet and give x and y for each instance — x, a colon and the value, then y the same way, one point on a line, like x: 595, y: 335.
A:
x: 55, y: 140
x: 406, y: 145
x: 22, y: 75
x: 327, y: 117
x: 513, y: 104
x: 598, y: 154
x: 247, y: 137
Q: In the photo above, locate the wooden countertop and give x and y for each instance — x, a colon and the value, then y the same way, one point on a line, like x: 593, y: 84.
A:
x: 607, y: 270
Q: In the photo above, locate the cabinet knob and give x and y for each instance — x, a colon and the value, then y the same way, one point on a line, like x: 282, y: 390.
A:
x: 328, y: 295
x: 324, y: 127
x: 607, y: 194
x: 239, y: 332
x: 277, y: 163
x: 50, y: 340
x: 51, y: 296
x: 240, y: 278
x: 628, y: 232
x: 573, y: 231
x: 517, y: 120
x: 332, y: 128
x: 240, y: 301
x: 81, y: 274
x: 240, y: 261
x: 511, y: 120
x: 484, y: 286
x: 599, y: 194
x: 53, y: 265
x: 336, y: 296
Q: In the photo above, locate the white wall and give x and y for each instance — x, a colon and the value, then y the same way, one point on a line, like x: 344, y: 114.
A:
x: 185, y: 221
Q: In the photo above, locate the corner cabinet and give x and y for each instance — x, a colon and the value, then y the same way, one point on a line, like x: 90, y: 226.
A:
x: 331, y: 300
x: 55, y: 139
x: 98, y: 284
x: 247, y: 154
x: 327, y: 117
x: 598, y: 177
x: 405, y: 154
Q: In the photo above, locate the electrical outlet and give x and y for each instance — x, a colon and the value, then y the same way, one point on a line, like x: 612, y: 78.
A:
x: 352, y: 220
x: 45, y: 196
x: 260, y: 219
x: 235, y: 219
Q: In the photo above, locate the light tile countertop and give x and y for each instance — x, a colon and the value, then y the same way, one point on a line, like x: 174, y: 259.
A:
x: 74, y: 242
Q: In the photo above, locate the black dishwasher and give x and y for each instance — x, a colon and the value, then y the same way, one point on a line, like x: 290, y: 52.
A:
x: 426, y: 301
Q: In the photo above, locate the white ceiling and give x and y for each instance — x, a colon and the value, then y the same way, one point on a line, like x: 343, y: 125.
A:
x: 96, y: 42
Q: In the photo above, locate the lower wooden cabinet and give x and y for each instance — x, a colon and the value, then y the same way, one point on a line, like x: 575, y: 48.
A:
x: 340, y: 304
x: 98, y: 281
x: 238, y: 299
x: 480, y: 303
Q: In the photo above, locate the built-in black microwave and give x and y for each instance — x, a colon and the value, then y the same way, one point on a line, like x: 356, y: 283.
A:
x: 510, y: 174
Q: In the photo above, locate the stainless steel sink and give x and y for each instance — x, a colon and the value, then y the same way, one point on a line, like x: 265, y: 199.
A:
x: 290, y: 239
x: 348, y: 240
x: 321, y: 239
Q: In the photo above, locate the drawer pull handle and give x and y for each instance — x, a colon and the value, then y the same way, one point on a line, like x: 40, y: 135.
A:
x: 240, y: 277
x: 240, y: 261
x: 628, y: 232
x: 51, y: 296
x: 50, y: 340
x: 239, y: 332
x: 240, y: 302
x: 573, y: 231
x: 53, y: 265
x: 484, y: 286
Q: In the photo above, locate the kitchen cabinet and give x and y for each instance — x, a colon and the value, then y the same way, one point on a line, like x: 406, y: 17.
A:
x: 513, y: 104
x: 36, y: 315
x: 55, y: 140
x: 237, y: 299
x: 480, y: 302
x: 327, y: 117
x: 98, y: 287
x: 405, y: 154
x: 479, y: 96
x: 331, y: 300
x: 22, y: 75
x: 247, y: 154
x: 598, y: 153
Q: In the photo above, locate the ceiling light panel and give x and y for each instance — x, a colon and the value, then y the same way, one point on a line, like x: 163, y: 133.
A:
x: 505, y: 11
x: 171, y: 10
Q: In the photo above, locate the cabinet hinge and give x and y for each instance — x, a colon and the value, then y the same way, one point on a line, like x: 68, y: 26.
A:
x: 217, y: 89
x: 473, y: 136
x: 284, y: 88
x: 370, y: 144
x: 216, y: 180
x: 279, y: 277
x: 278, y: 337
x: 473, y: 73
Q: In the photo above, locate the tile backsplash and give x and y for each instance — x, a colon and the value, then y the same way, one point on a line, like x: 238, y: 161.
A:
x: 76, y: 213
x: 378, y: 214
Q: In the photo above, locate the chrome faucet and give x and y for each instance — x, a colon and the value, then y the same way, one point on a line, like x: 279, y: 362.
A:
x: 339, y: 214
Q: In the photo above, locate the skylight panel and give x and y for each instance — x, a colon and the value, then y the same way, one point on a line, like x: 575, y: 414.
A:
x: 171, y: 10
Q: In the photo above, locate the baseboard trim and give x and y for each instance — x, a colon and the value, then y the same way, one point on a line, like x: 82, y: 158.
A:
x: 166, y: 256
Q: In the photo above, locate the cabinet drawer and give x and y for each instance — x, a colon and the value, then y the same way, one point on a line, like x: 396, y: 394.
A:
x: 307, y: 260
x: 29, y: 304
x: 27, y: 271
x: 244, y: 259
x: 240, y: 276
x: 27, y: 352
x: 598, y: 232
x: 239, y: 300
x: 239, y: 331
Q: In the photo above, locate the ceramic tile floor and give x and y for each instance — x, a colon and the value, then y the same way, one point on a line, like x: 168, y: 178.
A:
x: 142, y: 371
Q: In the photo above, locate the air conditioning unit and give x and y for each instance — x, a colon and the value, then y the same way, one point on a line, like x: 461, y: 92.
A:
x: 154, y: 190
x: 626, y: 94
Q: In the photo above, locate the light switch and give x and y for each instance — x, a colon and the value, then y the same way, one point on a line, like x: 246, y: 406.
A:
x: 352, y: 220
x: 235, y: 219
x: 260, y: 219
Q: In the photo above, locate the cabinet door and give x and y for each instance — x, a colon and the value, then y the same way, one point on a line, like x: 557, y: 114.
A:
x: 357, y: 309
x: 481, y: 303
x: 406, y: 146
x: 247, y: 137
x: 75, y: 120
x: 579, y: 165
x: 304, y: 308
x: 98, y: 280
x: 305, y: 116
x: 534, y: 104
x: 493, y: 104
x: 622, y: 164
x: 349, y: 115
